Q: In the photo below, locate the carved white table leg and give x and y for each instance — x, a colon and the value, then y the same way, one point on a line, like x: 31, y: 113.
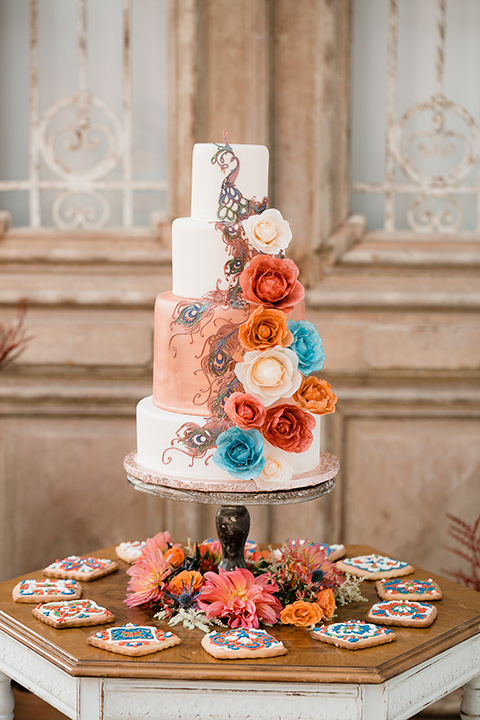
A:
x: 470, y: 707
x: 6, y: 698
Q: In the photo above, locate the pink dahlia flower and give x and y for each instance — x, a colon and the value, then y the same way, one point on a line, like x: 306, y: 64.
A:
x: 147, y: 575
x: 163, y: 540
x: 240, y: 598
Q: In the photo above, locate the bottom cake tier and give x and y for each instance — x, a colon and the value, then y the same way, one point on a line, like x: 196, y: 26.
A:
x: 164, y: 448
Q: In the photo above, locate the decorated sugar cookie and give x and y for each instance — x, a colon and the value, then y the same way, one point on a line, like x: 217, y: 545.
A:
x: 35, y: 591
x: 130, y: 551
x: 250, y: 546
x: 408, y: 589
x: 242, y: 643
x: 80, y: 568
x: 373, y: 567
x: 333, y: 552
x: 353, y: 634
x: 403, y: 612
x: 133, y: 640
x: 73, y: 613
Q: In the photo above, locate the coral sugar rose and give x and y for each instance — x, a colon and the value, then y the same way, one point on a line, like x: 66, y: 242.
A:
x: 289, y: 428
x: 271, y: 281
x: 245, y: 411
x: 316, y: 396
x: 264, y: 329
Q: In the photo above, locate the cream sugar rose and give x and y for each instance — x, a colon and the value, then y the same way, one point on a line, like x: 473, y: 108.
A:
x: 235, y: 405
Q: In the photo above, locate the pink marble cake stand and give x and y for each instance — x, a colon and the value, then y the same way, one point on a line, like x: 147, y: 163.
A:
x: 233, y: 518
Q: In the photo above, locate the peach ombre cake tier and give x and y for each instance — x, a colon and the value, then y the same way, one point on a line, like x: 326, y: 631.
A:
x: 236, y: 402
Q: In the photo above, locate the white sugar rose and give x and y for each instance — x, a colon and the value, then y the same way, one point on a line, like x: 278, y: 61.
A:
x: 268, y: 232
x: 276, y: 471
x: 269, y: 375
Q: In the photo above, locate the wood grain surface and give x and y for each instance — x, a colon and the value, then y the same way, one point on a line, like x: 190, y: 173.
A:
x: 307, y: 660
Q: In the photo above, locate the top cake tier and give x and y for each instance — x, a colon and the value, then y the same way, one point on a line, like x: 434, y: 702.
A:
x: 223, y: 175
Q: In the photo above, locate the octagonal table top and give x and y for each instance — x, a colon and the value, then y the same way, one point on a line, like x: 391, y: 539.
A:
x: 307, y: 660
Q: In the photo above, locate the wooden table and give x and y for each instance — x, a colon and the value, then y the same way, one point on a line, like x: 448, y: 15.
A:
x: 313, y: 681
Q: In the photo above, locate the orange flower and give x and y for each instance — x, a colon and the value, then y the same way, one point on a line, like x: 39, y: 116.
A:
x: 316, y: 396
x: 265, y: 328
x: 301, y: 614
x: 257, y: 555
x: 189, y: 580
x: 175, y: 556
x: 326, y: 600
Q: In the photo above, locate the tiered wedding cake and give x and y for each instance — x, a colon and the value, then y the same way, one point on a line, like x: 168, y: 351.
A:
x: 235, y: 406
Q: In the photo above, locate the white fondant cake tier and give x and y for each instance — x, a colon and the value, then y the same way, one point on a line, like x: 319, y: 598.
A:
x: 159, y: 450
x: 207, y: 176
x: 198, y: 258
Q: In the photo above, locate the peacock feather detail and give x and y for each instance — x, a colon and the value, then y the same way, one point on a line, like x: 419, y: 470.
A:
x: 217, y: 402
x: 195, y: 440
x: 191, y: 314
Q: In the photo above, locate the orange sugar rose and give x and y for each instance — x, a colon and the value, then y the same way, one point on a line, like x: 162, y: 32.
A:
x: 302, y: 614
x: 189, y: 580
x: 175, y: 556
x: 316, y: 396
x: 265, y: 328
x: 326, y: 600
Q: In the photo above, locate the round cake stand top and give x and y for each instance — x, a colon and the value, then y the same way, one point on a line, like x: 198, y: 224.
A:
x: 320, y: 482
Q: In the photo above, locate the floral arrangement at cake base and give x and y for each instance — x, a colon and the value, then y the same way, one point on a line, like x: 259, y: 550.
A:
x: 294, y: 584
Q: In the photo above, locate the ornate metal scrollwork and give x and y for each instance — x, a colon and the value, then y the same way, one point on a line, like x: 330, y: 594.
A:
x: 438, y: 141
x: 97, y: 146
x: 428, y: 214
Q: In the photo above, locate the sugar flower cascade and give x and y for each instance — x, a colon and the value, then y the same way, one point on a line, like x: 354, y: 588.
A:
x: 268, y: 410
x: 271, y: 415
x: 259, y: 390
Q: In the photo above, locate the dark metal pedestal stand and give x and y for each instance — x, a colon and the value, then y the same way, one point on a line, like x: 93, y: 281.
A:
x: 233, y: 518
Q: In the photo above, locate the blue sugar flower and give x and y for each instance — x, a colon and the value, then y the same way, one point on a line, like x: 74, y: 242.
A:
x: 240, y: 453
x: 307, y: 344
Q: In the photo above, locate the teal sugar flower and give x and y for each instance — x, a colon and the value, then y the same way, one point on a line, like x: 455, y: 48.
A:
x: 240, y: 453
x: 307, y: 344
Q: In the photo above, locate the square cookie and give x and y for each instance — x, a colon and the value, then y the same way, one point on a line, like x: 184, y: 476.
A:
x: 73, y: 613
x: 241, y: 643
x: 133, y: 640
x: 353, y: 634
x: 80, y: 568
x: 408, y: 589
x: 373, y: 567
x: 402, y: 612
x: 35, y: 591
